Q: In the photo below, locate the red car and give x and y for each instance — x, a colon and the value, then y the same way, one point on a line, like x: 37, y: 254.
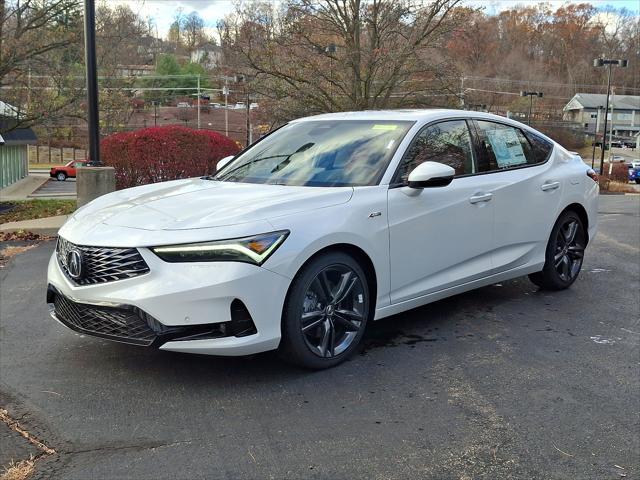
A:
x: 68, y: 170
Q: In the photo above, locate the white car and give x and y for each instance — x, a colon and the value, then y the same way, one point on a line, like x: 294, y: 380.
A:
x: 322, y: 226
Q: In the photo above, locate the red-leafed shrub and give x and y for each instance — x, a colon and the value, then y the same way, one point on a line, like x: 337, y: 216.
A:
x: 617, y: 180
x: 157, y: 154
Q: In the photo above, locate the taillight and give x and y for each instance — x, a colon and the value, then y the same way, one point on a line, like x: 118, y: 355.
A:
x: 592, y: 175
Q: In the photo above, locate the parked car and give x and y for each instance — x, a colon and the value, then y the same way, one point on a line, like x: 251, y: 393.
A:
x: 183, y: 105
x: 634, y: 172
x: 61, y: 173
x: 321, y: 227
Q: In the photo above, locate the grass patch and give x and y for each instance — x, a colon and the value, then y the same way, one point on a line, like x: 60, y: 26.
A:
x: 30, y: 209
x: 18, y: 471
x: 617, y: 187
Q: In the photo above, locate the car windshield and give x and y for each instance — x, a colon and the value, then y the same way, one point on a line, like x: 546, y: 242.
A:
x: 320, y: 153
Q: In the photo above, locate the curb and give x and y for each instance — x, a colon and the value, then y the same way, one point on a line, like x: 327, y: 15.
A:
x: 48, y: 226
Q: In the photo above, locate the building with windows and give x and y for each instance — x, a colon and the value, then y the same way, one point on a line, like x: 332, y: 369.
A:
x: 587, y: 109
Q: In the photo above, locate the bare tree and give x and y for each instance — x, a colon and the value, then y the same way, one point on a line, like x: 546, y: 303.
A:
x: 35, y: 36
x: 341, y: 54
x: 194, y: 34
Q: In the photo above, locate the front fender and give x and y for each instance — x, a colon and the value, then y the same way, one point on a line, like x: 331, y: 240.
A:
x: 341, y: 224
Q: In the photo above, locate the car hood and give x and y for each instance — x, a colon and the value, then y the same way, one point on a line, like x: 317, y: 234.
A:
x: 198, y: 203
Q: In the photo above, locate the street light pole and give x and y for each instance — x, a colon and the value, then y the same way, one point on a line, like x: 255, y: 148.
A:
x: 92, y: 80
x: 530, y: 95
x: 595, y: 136
x: 601, y: 62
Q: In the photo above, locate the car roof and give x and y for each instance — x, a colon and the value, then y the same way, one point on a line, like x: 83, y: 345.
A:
x: 400, y: 115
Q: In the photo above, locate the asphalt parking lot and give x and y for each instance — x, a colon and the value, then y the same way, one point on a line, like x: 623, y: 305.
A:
x: 503, y: 382
x: 53, y: 188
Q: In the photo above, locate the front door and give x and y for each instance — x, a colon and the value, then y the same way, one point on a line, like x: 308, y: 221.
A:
x: 440, y: 237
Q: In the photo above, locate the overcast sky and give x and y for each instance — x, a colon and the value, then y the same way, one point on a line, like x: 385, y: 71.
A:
x: 163, y: 11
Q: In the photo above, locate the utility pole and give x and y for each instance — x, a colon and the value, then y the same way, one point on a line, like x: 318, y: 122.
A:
x: 601, y: 62
x: 330, y: 50
x: 92, y: 80
x: 462, y: 92
x: 198, y: 102
x: 248, y: 117
x: 225, y: 92
x: 29, y: 89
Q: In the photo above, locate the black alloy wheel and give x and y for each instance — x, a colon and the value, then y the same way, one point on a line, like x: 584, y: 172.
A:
x: 326, y: 312
x: 564, y: 254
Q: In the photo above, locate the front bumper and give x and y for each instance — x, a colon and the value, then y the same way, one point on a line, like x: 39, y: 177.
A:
x: 182, y: 301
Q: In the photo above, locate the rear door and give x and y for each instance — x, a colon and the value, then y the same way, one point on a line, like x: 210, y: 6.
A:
x: 526, y: 191
x: 442, y: 236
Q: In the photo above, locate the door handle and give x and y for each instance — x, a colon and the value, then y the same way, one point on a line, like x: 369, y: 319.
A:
x: 546, y: 186
x: 481, y: 197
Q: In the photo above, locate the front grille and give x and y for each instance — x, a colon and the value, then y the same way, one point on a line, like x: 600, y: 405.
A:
x: 129, y: 324
x: 102, y: 264
x: 124, y: 324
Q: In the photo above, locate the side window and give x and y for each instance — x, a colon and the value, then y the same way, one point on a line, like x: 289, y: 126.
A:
x: 507, y: 147
x: 445, y: 142
x: 541, y: 148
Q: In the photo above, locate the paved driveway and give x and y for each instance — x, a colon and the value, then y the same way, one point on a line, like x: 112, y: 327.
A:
x: 504, y: 382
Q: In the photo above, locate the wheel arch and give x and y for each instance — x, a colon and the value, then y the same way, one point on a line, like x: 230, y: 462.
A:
x: 579, y: 210
x: 363, y: 259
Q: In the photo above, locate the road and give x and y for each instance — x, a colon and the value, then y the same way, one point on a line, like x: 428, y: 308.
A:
x: 504, y: 382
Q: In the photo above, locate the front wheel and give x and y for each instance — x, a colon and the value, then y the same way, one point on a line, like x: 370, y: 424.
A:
x: 326, y: 312
x: 61, y: 176
x: 564, y: 254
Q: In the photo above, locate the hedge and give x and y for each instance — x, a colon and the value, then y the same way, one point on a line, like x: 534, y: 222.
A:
x: 157, y: 154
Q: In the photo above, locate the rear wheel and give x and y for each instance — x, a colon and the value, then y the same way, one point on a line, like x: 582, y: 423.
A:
x: 326, y: 312
x: 61, y: 176
x: 564, y: 254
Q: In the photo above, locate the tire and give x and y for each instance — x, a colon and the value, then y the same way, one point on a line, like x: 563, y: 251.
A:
x: 61, y: 176
x: 637, y: 180
x: 564, y: 253
x: 332, y: 292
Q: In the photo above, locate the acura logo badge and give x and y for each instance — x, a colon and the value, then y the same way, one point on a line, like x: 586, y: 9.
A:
x: 74, y: 264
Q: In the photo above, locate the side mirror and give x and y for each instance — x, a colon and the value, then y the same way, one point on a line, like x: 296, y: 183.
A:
x: 222, y: 162
x: 431, y: 174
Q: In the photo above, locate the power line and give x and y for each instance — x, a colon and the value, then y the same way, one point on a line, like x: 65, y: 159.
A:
x: 542, y: 82
x: 508, y: 93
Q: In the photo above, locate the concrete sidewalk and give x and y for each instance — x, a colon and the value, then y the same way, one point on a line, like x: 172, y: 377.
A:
x: 23, y: 188
x: 48, y: 226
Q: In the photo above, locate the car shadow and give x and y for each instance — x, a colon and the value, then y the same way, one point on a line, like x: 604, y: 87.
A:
x: 441, y: 321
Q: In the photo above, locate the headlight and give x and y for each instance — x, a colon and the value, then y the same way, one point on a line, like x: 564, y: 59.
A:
x: 254, y: 249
